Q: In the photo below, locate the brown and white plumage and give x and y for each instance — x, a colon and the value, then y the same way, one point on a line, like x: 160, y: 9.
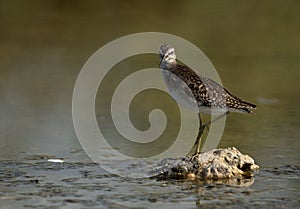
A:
x: 197, y: 92
x: 208, y: 94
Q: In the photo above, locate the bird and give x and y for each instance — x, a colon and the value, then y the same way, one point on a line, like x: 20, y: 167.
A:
x: 191, y: 89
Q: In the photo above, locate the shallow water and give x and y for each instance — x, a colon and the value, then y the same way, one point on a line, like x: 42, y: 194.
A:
x: 43, y: 46
x: 34, y: 182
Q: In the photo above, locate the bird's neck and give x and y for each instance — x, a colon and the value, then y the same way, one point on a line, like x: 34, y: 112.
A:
x: 168, y: 65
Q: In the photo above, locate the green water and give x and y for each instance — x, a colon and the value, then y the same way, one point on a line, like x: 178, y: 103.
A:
x: 44, y: 44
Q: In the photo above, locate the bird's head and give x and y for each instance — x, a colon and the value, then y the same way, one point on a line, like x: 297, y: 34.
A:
x: 167, y: 55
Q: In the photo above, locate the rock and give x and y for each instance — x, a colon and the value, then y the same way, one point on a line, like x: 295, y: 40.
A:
x: 217, y: 164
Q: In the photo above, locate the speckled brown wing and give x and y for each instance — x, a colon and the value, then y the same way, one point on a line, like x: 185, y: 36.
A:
x: 208, y: 93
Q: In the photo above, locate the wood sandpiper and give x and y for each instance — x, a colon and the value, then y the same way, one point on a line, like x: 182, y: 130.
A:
x: 189, y: 88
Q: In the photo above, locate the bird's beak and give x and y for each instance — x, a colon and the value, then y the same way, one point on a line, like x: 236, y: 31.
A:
x: 162, y: 58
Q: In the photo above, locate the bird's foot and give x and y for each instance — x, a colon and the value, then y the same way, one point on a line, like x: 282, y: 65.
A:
x: 195, y: 156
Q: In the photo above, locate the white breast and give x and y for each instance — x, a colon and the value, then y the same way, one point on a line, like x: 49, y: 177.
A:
x: 180, y: 91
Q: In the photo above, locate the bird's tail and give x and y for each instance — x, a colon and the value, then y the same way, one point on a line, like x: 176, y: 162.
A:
x: 246, y: 106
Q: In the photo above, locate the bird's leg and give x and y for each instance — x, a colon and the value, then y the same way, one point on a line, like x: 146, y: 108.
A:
x: 214, y: 120
x: 200, y: 132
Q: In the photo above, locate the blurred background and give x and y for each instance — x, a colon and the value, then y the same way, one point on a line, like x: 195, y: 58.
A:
x: 254, y: 46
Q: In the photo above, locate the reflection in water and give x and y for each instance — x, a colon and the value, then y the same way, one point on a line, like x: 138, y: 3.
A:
x: 84, y: 184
